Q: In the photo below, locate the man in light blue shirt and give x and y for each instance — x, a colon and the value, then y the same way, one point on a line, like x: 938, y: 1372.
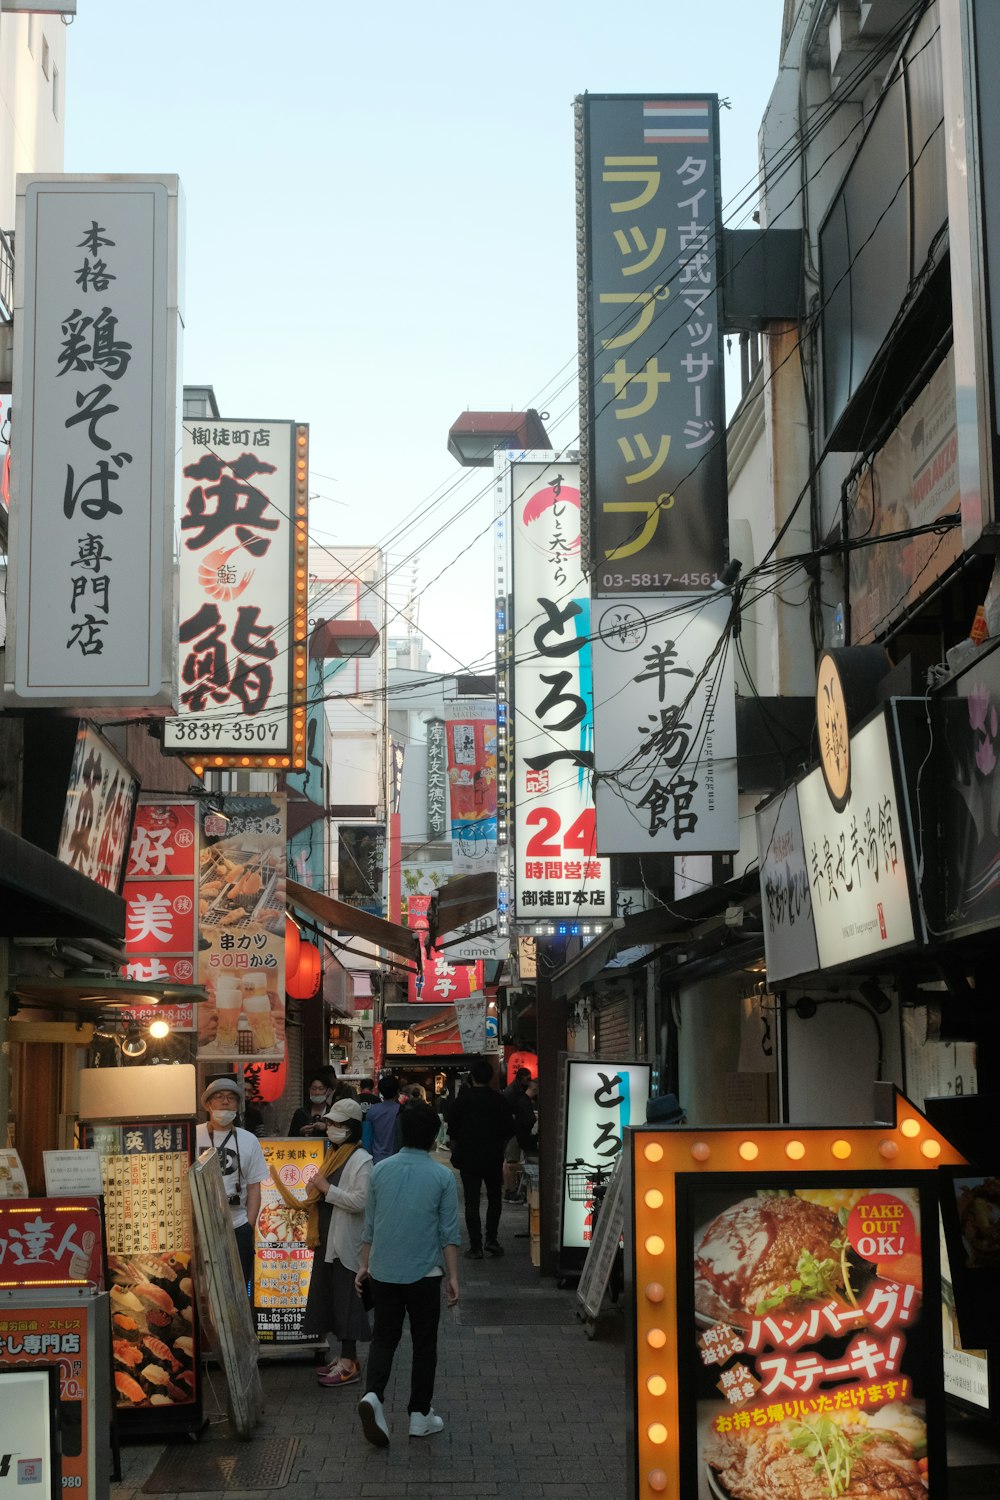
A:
x: 408, y: 1247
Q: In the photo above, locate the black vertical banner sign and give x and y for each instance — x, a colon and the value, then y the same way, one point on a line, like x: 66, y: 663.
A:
x: 652, y: 398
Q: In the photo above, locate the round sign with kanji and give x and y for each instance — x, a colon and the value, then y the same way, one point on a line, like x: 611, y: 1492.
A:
x: 833, y: 730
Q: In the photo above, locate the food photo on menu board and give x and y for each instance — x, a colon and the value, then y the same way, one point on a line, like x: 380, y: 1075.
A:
x: 241, y: 914
x: 809, y: 1354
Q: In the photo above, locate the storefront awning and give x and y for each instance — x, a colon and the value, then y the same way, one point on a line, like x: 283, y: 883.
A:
x: 461, y: 901
x: 42, y: 897
x: 93, y: 997
x: 343, y: 918
x: 702, y: 924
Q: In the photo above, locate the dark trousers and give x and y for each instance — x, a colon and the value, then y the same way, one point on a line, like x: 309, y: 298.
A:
x: 474, y: 1175
x: 420, y: 1301
x: 244, y: 1249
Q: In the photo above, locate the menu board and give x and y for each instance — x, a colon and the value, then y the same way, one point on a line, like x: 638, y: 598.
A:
x: 803, y: 1335
x: 283, y: 1261
x: 144, y: 1166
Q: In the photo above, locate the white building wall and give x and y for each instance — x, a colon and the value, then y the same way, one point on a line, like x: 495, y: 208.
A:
x: 32, y: 101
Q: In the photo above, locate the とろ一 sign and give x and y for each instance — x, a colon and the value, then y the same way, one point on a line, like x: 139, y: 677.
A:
x: 777, y: 1311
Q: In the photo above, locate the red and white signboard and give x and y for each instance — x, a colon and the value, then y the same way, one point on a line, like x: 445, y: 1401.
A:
x: 161, y: 929
x: 444, y: 980
x: 557, y: 872
x: 50, y: 1242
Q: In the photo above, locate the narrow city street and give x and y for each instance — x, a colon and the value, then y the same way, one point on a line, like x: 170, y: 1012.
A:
x: 533, y: 1409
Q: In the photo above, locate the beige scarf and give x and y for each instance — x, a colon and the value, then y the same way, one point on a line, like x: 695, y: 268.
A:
x: 332, y: 1162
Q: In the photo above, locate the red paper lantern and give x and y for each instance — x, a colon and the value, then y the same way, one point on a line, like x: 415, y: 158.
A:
x: 304, y: 983
x: 517, y: 1060
x: 265, y: 1081
x: 293, y: 943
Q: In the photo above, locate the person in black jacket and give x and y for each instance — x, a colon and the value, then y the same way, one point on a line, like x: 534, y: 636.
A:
x: 480, y: 1124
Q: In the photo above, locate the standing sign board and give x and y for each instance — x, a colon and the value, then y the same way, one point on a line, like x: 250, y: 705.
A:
x: 144, y: 1167
x: 243, y: 590
x: 665, y: 726
x: 777, y: 1305
x: 651, y: 395
x: 602, y: 1100
x: 225, y: 1300
x: 558, y: 872
x: 283, y: 1259
x: 97, y: 330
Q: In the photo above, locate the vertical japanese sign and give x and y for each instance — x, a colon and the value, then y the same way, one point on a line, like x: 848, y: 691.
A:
x: 241, y: 901
x: 602, y: 1099
x: 437, y: 799
x: 243, y: 590
x: 97, y: 332
x: 786, y: 904
x: 100, y: 805
x: 361, y: 849
x: 665, y: 726
x: 161, y: 900
x: 857, y: 859
x: 283, y: 1260
x: 651, y: 358
x: 471, y: 738
x: 817, y: 1348
x: 558, y: 873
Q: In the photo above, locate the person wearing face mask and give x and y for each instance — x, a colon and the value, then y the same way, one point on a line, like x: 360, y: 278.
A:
x: 334, y: 1309
x: 308, y: 1120
x: 241, y: 1161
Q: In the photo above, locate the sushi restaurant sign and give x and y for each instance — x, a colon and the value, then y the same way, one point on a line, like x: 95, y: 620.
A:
x: 777, y: 1314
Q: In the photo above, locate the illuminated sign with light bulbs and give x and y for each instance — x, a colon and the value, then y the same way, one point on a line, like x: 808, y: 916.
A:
x: 776, y: 1307
x: 244, y: 578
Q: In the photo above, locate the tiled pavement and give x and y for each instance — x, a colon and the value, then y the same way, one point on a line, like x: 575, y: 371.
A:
x: 533, y: 1409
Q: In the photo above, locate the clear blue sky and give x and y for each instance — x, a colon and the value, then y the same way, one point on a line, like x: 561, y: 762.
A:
x: 380, y: 222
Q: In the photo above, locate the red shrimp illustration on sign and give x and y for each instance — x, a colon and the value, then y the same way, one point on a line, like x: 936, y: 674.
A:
x: 220, y: 577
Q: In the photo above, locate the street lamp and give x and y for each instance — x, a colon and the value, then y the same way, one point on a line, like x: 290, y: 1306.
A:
x: 476, y: 435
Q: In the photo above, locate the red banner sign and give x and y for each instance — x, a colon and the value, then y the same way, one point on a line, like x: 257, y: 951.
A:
x: 50, y: 1242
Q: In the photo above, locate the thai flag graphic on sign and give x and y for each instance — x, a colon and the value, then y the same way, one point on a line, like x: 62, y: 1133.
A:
x: 675, y: 122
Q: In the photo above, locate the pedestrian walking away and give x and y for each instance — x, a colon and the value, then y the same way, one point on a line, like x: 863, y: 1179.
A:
x: 379, y: 1135
x: 480, y: 1125
x: 409, y: 1246
x: 520, y: 1097
x: 339, y: 1189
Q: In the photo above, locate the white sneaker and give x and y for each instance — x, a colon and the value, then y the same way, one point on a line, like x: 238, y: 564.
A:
x: 425, y: 1424
x: 376, y: 1428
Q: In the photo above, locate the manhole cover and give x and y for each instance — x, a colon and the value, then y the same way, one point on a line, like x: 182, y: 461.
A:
x: 260, y: 1464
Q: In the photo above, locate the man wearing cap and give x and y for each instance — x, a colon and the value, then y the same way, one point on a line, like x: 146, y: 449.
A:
x: 241, y: 1161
